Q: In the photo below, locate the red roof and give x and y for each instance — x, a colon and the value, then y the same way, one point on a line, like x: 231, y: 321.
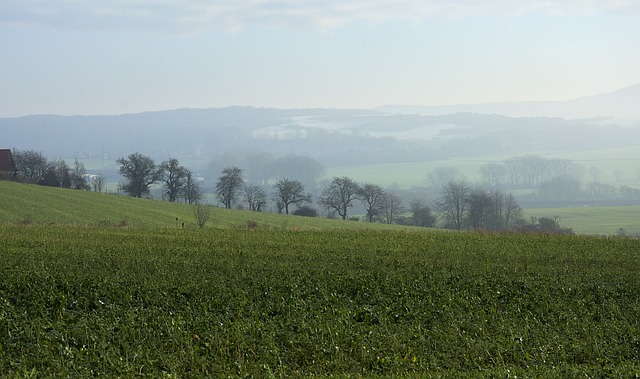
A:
x: 6, y: 162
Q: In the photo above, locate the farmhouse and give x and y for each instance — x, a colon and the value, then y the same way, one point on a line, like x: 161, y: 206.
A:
x: 7, y: 167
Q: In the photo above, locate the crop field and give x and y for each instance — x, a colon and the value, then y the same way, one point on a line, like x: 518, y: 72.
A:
x: 112, y: 301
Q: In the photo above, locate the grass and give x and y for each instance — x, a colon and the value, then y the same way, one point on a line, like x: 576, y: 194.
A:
x: 31, y: 204
x: 593, y: 220
x: 87, y: 301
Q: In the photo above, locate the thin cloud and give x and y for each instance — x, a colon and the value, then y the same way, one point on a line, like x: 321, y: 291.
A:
x: 194, y: 15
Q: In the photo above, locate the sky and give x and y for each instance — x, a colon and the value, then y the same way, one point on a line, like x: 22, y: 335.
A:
x: 88, y: 57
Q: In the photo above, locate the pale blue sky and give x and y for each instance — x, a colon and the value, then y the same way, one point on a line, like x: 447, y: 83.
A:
x: 121, y: 56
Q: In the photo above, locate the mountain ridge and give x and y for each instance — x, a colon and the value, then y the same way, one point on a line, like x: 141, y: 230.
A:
x: 621, y: 104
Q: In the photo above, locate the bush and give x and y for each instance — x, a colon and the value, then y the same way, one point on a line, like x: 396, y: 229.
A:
x: 545, y: 225
x: 306, y: 211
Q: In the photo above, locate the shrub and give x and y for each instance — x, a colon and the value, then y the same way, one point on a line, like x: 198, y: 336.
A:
x: 306, y: 211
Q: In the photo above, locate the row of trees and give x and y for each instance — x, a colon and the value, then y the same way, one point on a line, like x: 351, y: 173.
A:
x: 459, y: 205
x: 141, y: 172
x: 263, y: 168
x: 555, y: 180
x: 231, y: 187
x: 33, y: 167
x: 464, y: 207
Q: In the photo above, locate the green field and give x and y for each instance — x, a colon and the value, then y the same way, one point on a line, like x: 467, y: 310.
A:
x: 31, y: 204
x: 626, y: 160
x: 88, y: 301
x: 593, y: 220
x: 81, y: 295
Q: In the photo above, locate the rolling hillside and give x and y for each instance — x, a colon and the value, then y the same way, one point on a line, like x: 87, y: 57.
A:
x: 31, y: 204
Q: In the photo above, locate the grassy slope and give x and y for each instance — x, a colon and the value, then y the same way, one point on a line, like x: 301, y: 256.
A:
x: 46, y: 205
x: 22, y: 203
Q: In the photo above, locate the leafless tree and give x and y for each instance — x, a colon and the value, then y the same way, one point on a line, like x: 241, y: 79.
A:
x: 601, y: 191
x: 288, y: 192
x: 440, y: 176
x: 339, y: 195
x: 595, y: 173
x: 174, y: 177
x: 510, y: 211
x: 560, y: 188
x: 391, y: 207
x: 229, y: 185
x: 306, y: 170
x: 97, y: 183
x: 493, y: 174
x: 30, y: 165
x: 421, y: 215
x: 78, y: 179
x: 480, y: 207
x: 372, y: 197
x: 191, y: 191
x: 202, y: 213
x: 140, y: 172
x: 255, y: 196
x: 453, y: 205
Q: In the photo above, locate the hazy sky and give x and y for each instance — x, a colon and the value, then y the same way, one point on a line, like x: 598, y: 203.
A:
x: 120, y: 56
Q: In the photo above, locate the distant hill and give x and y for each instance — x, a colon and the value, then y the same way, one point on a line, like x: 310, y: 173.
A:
x: 623, y: 104
x: 336, y: 137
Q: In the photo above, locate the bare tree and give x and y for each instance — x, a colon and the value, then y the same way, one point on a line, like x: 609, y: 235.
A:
x: 97, y: 183
x: 514, y: 172
x: 440, y: 176
x: 259, y: 167
x: 229, y: 185
x: 30, y: 165
x: 453, y: 204
x: 202, y: 213
x: 306, y: 170
x: 560, y: 188
x: 391, y: 207
x: 601, y: 191
x: 174, y: 177
x: 140, y: 172
x: 339, y: 195
x: 288, y: 192
x: 533, y: 169
x: 78, y: 178
x: 595, y: 173
x: 191, y: 191
x: 255, y: 196
x: 510, y: 211
x: 58, y: 174
x: 480, y: 208
x: 493, y: 174
x: 421, y: 215
x: 372, y: 197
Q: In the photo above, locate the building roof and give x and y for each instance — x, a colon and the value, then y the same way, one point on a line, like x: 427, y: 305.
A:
x: 6, y: 161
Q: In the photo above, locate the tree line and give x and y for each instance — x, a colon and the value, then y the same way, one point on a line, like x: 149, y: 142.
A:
x: 552, y: 180
x: 458, y: 206
x: 33, y: 167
